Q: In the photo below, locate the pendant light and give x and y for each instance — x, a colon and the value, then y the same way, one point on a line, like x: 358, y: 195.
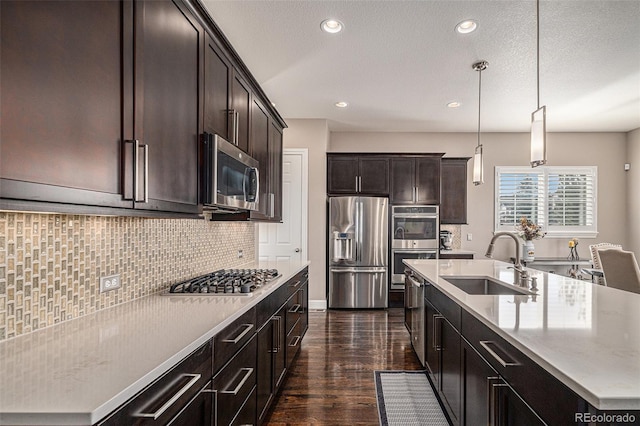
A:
x: 478, y: 166
x: 539, y: 116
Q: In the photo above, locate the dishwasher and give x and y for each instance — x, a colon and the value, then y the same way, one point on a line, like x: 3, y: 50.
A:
x: 417, y: 310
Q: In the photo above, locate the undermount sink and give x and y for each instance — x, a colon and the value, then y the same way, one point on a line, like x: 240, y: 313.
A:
x: 475, y: 285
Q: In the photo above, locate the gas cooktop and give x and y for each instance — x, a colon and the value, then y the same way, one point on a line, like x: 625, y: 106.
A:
x: 225, y: 282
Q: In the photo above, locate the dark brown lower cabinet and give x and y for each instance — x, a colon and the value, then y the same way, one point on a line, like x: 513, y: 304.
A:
x: 199, y: 411
x: 234, y: 384
x: 488, y: 398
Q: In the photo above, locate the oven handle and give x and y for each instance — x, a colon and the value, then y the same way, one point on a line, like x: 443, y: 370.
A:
x: 414, y: 216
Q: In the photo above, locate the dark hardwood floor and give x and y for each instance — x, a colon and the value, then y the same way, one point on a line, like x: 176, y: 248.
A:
x: 331, y: 382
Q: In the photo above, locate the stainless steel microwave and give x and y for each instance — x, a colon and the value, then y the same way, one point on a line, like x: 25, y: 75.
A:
x: 230, y: 177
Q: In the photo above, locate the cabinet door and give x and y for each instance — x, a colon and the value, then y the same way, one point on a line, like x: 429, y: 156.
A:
x: 428, y: 180
x: 65, y: 71
x: 342, y: 175
x: 477, y: 377
x: 453, y: 199
x: 433, y: 321
x: 403, y: 172
x: 280, y: 356
x: 511, y: 409
x: 450, y: 365
x: 264, y: 364
x: 217, y: 93
x: 374, y: 176
x: 260, y: 152
x: 169, y: 42
x: 241, y: 106
x: 199, y: 411
x: 275, y: 177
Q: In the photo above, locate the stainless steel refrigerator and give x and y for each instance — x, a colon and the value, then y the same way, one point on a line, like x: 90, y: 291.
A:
x: 358, y: 252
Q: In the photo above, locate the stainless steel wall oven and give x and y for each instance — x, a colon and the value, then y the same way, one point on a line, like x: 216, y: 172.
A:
x: 415, y: 234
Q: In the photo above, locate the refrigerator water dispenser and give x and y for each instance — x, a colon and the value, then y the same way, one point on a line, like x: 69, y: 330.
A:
x: 343, y: 246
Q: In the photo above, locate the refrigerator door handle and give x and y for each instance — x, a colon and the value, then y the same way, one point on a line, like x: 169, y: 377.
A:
x: 358, y: 270
x: 360, y: 219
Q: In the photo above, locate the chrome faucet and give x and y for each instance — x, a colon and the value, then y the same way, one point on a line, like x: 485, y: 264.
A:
x: 520, y: 275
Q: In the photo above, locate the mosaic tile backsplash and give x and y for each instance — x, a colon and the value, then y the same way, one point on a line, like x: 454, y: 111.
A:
x: 50, y: 265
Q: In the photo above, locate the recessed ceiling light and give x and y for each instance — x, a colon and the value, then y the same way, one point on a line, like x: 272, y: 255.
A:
x: 466, y: 27
x: 331, y: 26
x: 453, y: 104
x: 342, y: 104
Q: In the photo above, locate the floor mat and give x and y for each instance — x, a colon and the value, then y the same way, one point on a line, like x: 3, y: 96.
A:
x: 406, y: 398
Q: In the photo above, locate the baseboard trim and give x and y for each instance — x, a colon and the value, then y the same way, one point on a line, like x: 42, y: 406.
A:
x: 318, y: 305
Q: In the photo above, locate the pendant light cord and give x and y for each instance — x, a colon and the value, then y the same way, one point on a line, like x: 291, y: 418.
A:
x: 538, y: 50
x: 479, y: 103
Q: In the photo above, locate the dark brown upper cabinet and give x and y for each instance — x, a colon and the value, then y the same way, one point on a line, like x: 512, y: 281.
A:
x: 241, y: 108
x: 105, y: 112
x: 66, y: 86
x: 275, y: 177
x: 350, y: 174
x: 218, y: 72
x: 266, y: 147
x: 260, y: 151
x: 415, y: 179
x: 453, y: 200
x: 168, y: 55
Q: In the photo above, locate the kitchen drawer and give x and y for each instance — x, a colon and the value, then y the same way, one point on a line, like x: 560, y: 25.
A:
x: 167, y: 396
x: 294, y: 309
x: 447, y: 307
x: 234, y: 383
x: 554, y: 402
x: 297, y: 281
x: 269, y: 306
x: 247, y: 414
x: 232, y: 338
x: 294, y: 338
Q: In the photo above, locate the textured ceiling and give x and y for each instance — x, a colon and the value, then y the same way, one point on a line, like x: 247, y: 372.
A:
x: 398, y: 63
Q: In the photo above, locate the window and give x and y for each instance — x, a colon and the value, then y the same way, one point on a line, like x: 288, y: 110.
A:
x: 560, y: 199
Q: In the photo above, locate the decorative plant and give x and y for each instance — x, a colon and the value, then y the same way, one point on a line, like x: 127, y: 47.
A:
x: 528, y: 230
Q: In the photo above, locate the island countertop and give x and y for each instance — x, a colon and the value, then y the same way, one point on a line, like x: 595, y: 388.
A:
x: 79, y: 371
x: 585, y: 335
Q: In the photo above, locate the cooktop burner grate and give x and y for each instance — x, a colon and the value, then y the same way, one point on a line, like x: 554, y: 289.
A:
x: 236, y: 282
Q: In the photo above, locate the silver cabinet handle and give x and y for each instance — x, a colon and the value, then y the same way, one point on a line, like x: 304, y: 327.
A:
x: 146, y: 173
x: 356, y: 183
x: 294, y: 343
x: 436, y: 344
x: 236, y: 114
x: 492, y: 400
x: 247, y: 374
x: 359, y: 183
x: 172, y: 400
x: 272, y: 204
x: 486, y: 345
x: 277, y: 319
x: 247, y: 328
x: 295, y: 308
x: 296, y: 284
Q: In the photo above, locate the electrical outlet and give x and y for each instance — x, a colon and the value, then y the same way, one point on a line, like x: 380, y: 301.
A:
x: 469, y: 236
x: 240, y: 254
x: 112, y: 282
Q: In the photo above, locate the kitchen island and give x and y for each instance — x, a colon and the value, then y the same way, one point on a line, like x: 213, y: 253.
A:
x: 79, y: 371
x: 584, y: 335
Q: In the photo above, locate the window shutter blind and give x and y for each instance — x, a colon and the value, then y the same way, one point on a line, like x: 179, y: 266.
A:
x: 519, y: 194
x: 570, y: 198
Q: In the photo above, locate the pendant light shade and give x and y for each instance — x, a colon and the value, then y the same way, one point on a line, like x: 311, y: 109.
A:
x: 539, y: 116
x: 478, y: 160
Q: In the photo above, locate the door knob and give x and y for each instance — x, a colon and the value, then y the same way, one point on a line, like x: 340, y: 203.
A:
x: 297, y: 250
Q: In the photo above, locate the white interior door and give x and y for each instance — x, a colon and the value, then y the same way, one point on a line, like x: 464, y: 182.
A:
x: 282, y: 242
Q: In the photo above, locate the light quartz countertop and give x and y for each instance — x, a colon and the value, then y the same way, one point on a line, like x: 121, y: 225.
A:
x: 586, y: 335
x: 79, y: 371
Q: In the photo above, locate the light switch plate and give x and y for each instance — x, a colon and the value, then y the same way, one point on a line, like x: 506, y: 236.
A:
x: 469, y: 236
x: 112, y: 282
